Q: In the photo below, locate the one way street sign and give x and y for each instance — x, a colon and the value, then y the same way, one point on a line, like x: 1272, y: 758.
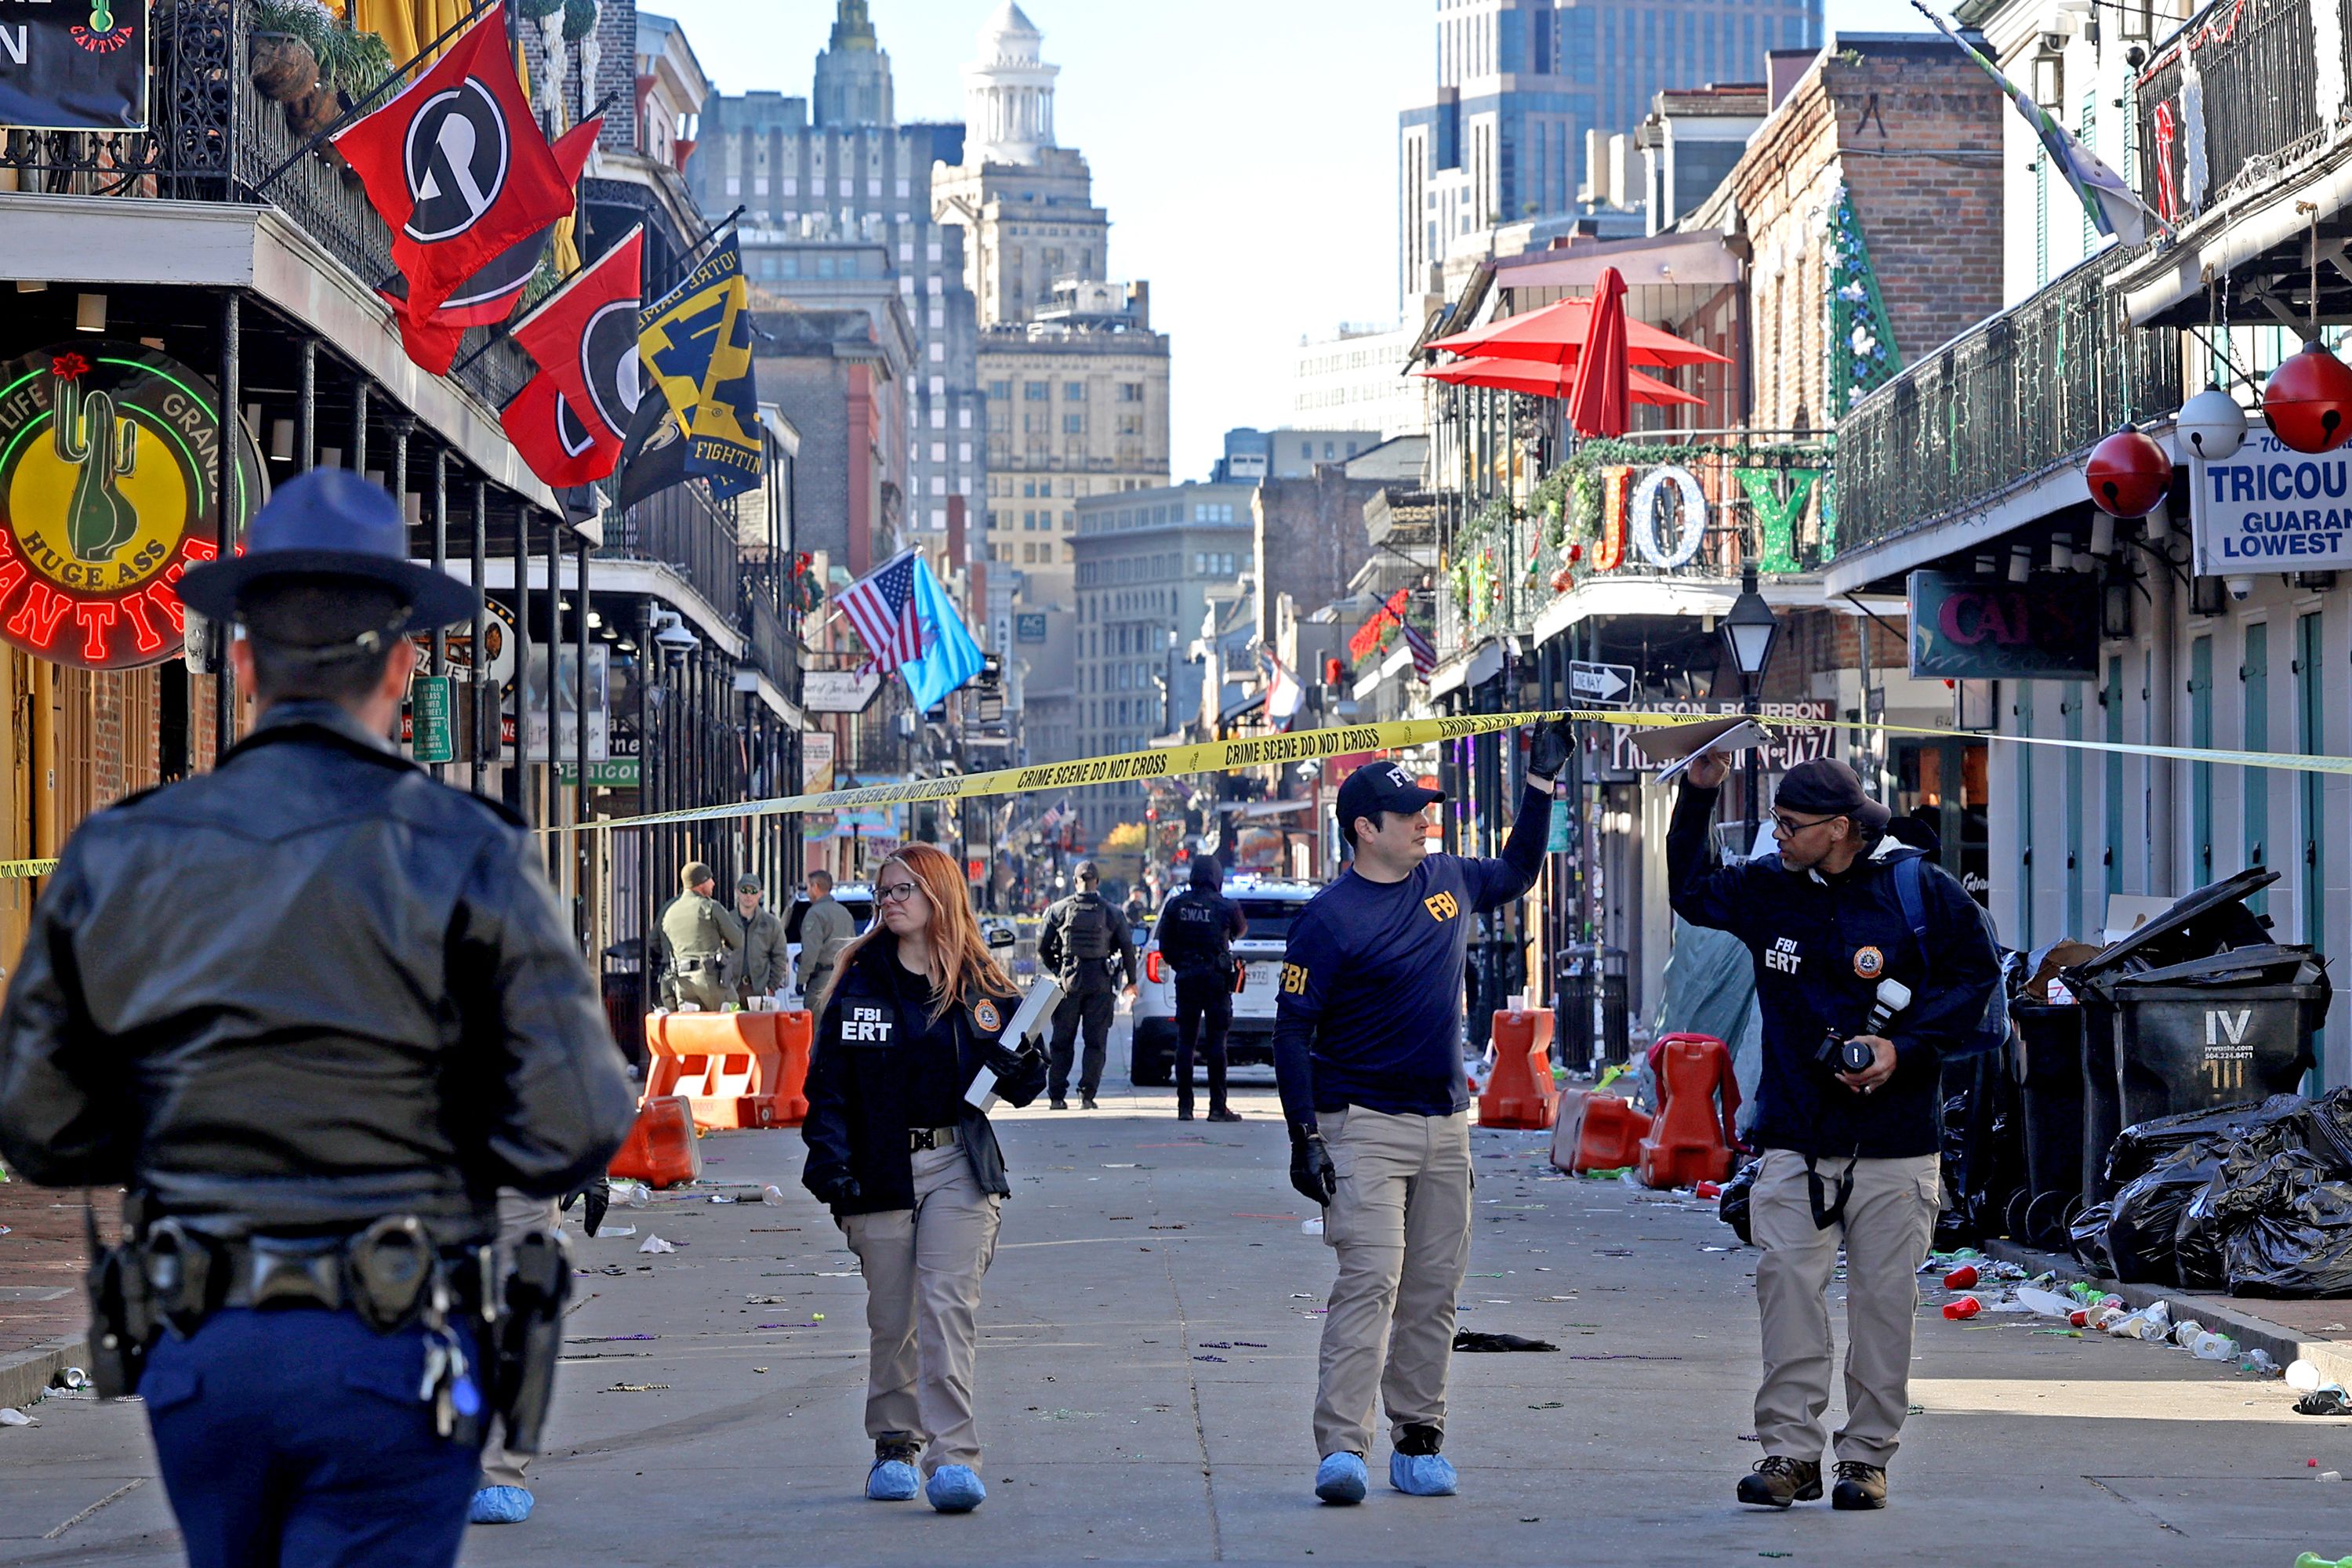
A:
x: 1590, y: 682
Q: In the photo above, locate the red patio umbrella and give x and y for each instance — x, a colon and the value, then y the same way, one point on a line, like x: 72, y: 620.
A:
x: 1555, y: 335
x: 1598, y: 403
x: 1548, y: 380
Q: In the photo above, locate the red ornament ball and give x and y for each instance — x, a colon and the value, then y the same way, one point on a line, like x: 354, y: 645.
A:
x: 2128, y: 473
x: 2308, y: 400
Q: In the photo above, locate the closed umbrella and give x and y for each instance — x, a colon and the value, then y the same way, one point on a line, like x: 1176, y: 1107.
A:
x: 1599, y: 404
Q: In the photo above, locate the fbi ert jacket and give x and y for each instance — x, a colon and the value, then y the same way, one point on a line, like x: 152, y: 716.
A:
x: 1820, y: 945
x: 302, y: 992
x: 859, y: 1089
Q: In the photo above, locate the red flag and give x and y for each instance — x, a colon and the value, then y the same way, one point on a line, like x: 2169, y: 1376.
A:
x: 561, y: 447
x: 490, y: 295
x: 456, y: 166
x: 584, y: 336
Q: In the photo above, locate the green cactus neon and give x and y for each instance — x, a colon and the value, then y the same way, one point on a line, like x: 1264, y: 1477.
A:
x: 102, y: 16
x: 99, y: 518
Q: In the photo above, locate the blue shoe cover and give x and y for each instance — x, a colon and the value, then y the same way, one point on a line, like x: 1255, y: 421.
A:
x: 891, y: 1480
x: 954, y: 1489
x: 1340, y: 1477
x: 1422, y: 1475
x: 499, y: 1505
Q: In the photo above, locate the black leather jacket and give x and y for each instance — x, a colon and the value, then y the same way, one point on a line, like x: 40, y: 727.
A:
x: 307, y: 990
x: 857, y: 1118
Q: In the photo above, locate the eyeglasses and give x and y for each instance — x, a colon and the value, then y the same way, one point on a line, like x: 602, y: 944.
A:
x: 1789, y: 826
x: 897, y: 892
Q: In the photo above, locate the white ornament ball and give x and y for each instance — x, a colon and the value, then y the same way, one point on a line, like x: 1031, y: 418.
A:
x: 2212, y: 424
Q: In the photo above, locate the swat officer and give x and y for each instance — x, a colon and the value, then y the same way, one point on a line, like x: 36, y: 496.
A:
x: 763, y: 969
x: 1086, y: 942
x: 700, y: 935
x: 355, y: 1015
x: 1197, y: 931
x: 1368, y: 1056
x: 1850, y: 1146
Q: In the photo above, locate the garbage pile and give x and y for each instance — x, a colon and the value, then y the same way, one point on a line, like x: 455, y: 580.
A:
x: 2085, y: 1310
x: 2255, y: 1198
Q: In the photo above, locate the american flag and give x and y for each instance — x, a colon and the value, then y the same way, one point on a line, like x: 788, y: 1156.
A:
x: 882, y: 607
x: 1424, y: 656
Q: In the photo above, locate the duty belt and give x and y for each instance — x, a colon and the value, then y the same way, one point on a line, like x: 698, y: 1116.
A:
x: 384, y: 1273
x: 698, y: 963
x: 921, y: 1137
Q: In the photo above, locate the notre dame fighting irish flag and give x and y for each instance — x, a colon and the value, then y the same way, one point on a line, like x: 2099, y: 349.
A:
x: 696, y: 342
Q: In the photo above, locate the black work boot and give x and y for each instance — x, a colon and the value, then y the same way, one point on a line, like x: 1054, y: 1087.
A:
x: 1780, y: 1480
x: 1859, y: 1486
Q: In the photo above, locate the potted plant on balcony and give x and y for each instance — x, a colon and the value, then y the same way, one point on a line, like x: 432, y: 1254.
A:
x: 354, y: 64
x: 289, y: 39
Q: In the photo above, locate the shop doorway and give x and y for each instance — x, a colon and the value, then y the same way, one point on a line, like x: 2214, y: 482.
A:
x: 1942, y: 783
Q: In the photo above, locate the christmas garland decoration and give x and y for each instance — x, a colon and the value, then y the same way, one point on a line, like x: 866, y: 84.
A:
x: 1862, y: 354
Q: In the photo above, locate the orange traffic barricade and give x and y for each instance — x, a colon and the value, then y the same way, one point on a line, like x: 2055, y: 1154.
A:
x: 1690, y: 1139
x: 661, y: 1149
x: 731, y: 1067
x: 1520, y: 1092
x: 1597, y: 1132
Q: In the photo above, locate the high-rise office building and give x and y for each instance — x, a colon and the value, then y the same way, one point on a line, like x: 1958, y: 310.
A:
x: 820, y: 190
x: 1519, y: 83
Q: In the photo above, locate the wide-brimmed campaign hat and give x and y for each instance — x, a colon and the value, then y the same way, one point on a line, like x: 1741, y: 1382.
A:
x: 331, y: 522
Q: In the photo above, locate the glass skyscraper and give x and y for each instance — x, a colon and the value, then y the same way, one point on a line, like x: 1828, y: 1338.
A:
x: 1519, y: 82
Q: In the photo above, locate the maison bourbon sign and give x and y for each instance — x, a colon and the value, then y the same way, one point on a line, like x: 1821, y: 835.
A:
x: 109, y: 454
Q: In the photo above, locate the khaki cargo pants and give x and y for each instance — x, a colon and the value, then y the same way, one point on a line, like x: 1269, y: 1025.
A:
x: 923, y: 1267
x: 1890, y: 1222
x: 1400, y: 1225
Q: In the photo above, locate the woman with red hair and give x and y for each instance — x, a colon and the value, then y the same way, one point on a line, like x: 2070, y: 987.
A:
x: 910, y: 1167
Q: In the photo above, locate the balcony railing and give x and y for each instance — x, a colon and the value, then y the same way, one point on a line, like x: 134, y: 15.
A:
x: 681, y: 528
x: 2256, y: 110
x: 2011, y: 398
x: 773, y: 649
x: 215, y: 139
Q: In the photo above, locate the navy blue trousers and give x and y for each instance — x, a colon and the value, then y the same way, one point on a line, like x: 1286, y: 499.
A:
x: 297, y: 1438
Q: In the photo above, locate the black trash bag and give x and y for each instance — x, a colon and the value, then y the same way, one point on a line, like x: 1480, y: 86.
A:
x: 1732, y: 1208
x: 2087, y: 1240
x: 2145, y: 1217
x: 2253, y: 1178
x: 2139, y: 1147
x: 1983, y: 1154
x: 2298, y: 1247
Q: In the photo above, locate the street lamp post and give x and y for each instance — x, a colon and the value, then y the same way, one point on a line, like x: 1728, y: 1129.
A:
x: 1750, y: 633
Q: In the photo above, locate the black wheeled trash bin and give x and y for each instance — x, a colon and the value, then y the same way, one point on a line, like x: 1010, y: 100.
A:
x: 2050, y: 1081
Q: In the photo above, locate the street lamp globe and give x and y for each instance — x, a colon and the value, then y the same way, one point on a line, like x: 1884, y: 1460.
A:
x: 1750, y: 632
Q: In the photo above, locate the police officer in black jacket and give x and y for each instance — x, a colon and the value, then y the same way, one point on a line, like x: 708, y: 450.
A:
x: 1196, y: 934
x: 1850, y: 1147
x: 908, y: 1163
x: 313, y: 1010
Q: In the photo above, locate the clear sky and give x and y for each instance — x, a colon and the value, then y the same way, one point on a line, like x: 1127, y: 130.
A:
x: 1244, y: 149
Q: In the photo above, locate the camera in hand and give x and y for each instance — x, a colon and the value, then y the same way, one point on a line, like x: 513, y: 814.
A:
x: 1838, y: 1054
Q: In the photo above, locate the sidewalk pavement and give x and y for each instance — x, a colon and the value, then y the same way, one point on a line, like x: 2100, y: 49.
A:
x: 43, y: 1314
x: 1147, y: 1372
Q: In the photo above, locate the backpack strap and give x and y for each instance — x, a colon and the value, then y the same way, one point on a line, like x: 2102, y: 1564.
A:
x: 1908, y: 880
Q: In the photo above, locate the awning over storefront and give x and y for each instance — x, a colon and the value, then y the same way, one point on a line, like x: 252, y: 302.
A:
x: 1609, y: 598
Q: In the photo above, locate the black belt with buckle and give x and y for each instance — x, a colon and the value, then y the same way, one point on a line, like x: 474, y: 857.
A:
x: 921, y: 1137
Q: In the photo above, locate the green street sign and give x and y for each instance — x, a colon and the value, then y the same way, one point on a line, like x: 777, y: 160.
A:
x: 620, y: 773
x: 432, y: 736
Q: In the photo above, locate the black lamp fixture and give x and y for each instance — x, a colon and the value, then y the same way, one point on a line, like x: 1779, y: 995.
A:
x: 1749, y: 631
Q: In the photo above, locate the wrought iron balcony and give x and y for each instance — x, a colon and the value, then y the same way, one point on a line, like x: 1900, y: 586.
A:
x: 2009, y: 399
x: 2255, y: 108
x: 214, y: 138
x: 773, y: 649
x: 683, y: 529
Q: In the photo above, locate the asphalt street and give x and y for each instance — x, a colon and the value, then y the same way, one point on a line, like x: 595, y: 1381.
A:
x: 1148, y: 1367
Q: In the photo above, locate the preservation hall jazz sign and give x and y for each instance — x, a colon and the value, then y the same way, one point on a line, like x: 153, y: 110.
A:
x: 109, y: 455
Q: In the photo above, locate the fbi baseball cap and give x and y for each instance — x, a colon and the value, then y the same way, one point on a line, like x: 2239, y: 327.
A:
x: 1378, y: 787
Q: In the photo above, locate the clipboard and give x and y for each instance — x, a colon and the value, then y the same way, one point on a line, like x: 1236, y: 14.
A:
x: 1028, y: 1027
x: 1678, y: 746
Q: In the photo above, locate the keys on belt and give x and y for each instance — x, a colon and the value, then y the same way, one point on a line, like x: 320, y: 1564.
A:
x: 922, y: 1137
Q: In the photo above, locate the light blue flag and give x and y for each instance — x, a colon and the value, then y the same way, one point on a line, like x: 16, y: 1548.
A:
x: 949, y: 656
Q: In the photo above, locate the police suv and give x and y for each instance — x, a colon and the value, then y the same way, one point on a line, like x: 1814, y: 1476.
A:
x: 1270, y: 905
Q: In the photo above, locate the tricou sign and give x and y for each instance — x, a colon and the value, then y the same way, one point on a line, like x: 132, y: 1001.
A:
x: 110, y: 458
x: 1965, y: 628
x: 2272, y: 509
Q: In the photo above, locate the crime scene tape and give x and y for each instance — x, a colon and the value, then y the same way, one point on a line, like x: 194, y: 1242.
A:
x: 17, y: 870
x: 1226, y: 756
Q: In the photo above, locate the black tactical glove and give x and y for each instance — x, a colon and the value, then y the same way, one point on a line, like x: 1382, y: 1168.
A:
x: 597, y: 1197
x: 1312, y: 1174
x: 1547, y: 748
x: 840, y: 1190
x: 1006, y: 1061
